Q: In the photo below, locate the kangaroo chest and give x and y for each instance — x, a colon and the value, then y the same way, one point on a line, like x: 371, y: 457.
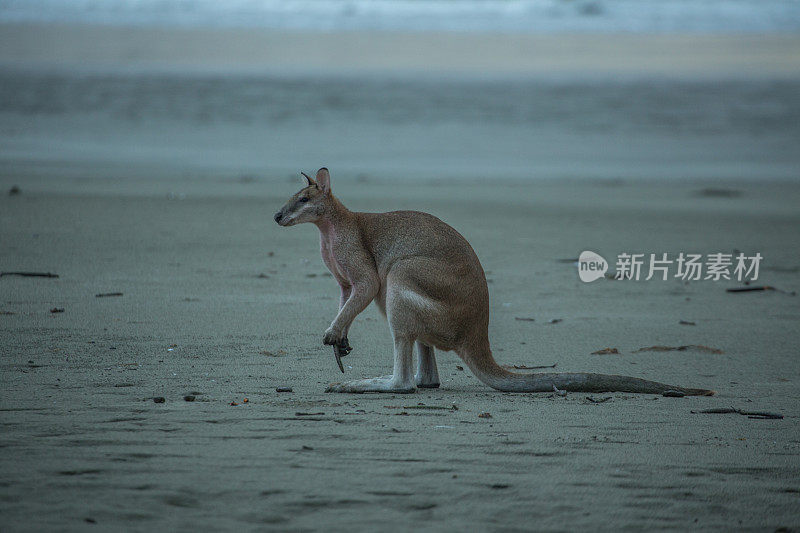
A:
x: 326, y: 249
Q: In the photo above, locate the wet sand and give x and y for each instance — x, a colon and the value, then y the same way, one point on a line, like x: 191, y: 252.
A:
x: 222, y: 304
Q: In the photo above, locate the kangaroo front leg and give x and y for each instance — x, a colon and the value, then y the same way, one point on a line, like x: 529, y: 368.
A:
x: 401, y: 381
x: 361, y: 294
x: 427, y: 375
x: 344, y: 344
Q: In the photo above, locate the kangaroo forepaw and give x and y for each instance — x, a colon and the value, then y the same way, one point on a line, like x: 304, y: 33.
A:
x: 344, y: 347
x: 332, y: 337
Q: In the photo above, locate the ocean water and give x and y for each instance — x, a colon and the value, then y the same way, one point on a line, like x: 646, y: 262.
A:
x: 529, y: 16
x: 86, y: 124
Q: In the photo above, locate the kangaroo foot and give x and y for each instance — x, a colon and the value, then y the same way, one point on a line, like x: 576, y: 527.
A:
x: 426, y: 381
x: 382, y: 384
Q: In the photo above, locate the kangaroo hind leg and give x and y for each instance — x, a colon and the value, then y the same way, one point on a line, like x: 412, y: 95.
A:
x: 402, y: 308
x: 401, y: 381
x: 427, y: 375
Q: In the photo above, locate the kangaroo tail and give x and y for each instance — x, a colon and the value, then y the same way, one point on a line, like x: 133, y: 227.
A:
x: 488, y: 371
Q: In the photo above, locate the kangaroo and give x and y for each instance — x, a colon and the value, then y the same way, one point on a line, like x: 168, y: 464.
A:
x: 429, y: 285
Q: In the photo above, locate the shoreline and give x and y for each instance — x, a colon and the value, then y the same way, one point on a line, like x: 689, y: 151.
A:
x: 470, y: 55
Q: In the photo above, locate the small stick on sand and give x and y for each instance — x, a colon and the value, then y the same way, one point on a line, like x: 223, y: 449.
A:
x: 432, y: 407
x: 759, y: 288
x: 749, y: 414
x: 598, y: 400
x: 107, y: 294
x: 338, y: 355
x: 698, y: 347
x: 523, y: 367
x: 30, y: 274
x: 750, y: 289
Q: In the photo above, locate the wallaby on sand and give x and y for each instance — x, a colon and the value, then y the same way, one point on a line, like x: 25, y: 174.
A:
x: 430, y: 286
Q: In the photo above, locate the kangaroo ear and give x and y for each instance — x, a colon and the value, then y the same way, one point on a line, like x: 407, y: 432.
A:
x: 309, y: 180
x: 324, y: 180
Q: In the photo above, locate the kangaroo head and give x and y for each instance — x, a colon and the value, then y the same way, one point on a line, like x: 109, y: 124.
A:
x: 310, y: 204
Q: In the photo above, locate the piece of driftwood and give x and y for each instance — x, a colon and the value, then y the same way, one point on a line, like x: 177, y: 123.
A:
x: 524, y: 319
x: 30, y: 274
x: 752, y: 288
x: 605, y: 351
x: 698, y: 347
x: 432, y: 407
x: 749, y: 414
x: 598, y: 400
x: 107, y: 294
x: 524, y: 367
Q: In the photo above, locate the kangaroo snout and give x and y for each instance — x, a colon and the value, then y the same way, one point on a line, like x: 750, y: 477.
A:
x: 278, y: 217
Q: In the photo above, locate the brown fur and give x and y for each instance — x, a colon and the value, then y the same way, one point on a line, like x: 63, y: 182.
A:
x: 426, y: 279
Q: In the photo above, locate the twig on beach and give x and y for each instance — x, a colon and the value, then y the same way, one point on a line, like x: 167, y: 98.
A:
x: 598, y: 400
x: 30, y: 274
x: 606, y: 351
x: 524, y: 367
x: 432, y: 407
x: 107, y: 294
x: 338, y: 355
x: 752, y: 288
x: 749, y: 414
x: 686, y: 323
x: 524, y: 319
x: 698, y: 347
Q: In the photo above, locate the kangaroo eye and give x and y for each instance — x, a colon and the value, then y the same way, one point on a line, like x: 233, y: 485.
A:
x: 303, y: 200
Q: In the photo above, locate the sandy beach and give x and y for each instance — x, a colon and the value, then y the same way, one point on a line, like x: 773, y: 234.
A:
x: 210, y: 308
x: 149, y: 164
